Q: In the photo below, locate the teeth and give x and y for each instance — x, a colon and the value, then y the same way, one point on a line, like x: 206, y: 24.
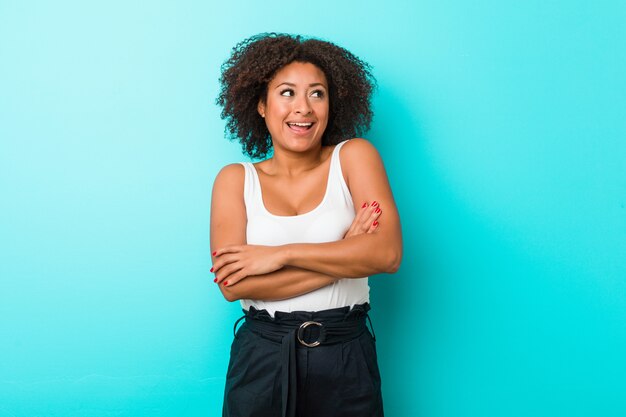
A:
x: 301, y: 124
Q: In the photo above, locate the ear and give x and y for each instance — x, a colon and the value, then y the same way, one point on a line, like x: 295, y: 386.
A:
x: 261, y: 108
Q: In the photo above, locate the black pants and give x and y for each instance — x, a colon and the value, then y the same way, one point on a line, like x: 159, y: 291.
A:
x: 272, y: 374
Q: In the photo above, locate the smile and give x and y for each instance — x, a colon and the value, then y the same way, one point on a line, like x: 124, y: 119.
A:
x: 300, y: 127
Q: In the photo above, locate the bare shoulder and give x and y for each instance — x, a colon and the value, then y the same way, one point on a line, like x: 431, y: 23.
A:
x: 230, y: 177
x: 359, y: 154
x: 359, y: 147
x: 358, y: 151
x: 228, y: 210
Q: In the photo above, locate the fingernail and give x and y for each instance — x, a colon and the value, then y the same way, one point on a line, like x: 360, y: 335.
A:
x: 375, y: 203
x: 211, y: 269
x: 215, y: 280
x: 377, y: 210
x: 364, y: 205
x: 375, y: 223
x: 214, y: 253
x: 225, y: 282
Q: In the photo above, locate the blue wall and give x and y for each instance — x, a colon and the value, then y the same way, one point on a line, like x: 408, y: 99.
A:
x: 502, y: 128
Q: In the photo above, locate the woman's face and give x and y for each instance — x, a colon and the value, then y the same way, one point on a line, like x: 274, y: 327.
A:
x: 296, y: 107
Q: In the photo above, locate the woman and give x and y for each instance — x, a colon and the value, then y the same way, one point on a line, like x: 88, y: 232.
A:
x: 295, y: 237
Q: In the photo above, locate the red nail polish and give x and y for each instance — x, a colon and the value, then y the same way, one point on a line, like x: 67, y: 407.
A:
x: 214, y: 253
x: 378, y: 210
x: 364, y: 205
x: 375, y: 203
x: 215, y: 280
x: 375, y: 223
x: 211, y: 269
x: 225, y: 282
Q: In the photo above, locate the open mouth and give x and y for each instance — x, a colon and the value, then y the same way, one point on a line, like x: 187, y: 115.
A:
x: 300, y: 127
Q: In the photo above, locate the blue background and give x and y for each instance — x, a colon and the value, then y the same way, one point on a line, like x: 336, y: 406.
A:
x: 502, y: 127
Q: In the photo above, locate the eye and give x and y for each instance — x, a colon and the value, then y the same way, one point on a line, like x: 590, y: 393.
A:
x: 317, y: 93
x: 287, y: 92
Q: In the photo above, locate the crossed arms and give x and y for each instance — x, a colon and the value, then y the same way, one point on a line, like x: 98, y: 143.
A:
x: 280, y: 272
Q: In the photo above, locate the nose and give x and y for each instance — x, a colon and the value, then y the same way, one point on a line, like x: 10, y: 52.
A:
x: 302, y: 105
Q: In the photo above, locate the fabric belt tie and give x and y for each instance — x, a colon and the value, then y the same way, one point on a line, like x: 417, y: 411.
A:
x: 291, y: 333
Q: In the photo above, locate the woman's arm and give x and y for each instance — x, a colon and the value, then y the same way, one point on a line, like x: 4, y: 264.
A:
x: 285, y: 283
x: 365, y: 254
x: 228, y: 227
x: 353, y: 257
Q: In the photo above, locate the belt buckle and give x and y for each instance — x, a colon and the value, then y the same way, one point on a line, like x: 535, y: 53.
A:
x: 304, y: 326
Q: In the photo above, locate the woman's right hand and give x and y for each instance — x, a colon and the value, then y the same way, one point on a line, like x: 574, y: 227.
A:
x: 365, y: 221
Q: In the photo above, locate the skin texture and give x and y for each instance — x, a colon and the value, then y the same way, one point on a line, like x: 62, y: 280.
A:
x: 293, y: 183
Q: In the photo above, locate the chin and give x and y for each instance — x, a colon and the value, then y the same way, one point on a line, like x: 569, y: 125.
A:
x: 301, y: 142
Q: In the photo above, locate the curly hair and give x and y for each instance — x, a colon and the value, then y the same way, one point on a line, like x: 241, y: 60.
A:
x: 254, y: 62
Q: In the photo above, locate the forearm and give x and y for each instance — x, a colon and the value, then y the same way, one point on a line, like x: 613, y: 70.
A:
x: 285, y: 283
x: 353, y: 257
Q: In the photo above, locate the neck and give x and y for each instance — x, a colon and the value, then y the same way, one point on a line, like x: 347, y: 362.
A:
x: 292, y: 164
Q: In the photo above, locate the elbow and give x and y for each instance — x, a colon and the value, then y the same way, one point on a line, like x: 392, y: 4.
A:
x: 230, y: 298
x: 229, y: 294
x: 394, y: 259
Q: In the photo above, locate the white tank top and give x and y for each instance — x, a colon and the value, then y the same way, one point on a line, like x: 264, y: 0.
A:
x: 328, y: 222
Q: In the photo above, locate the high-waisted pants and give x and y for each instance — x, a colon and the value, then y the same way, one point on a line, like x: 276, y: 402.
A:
x: 284, y: 367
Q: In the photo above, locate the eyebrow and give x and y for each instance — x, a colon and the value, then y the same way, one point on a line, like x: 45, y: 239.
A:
x: 293, y: 85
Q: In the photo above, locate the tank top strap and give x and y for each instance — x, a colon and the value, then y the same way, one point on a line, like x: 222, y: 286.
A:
x: 251, y: 187
x: 339, y: 189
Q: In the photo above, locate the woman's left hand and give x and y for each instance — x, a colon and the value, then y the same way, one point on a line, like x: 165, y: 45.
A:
x: 234, y: 263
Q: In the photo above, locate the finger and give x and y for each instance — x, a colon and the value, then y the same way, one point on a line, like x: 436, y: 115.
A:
x: 368, y: 224
x: 373, y: 223
x: 357, y: 222
x: 361, y: 213
x: 227, y: 249
x: 367, y: 217
x: 373, y: 227
x: 234, y: 278
x: 223, y: 262
x: 225, y: 273
x: 374, y: 213
x: 219, y: 263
